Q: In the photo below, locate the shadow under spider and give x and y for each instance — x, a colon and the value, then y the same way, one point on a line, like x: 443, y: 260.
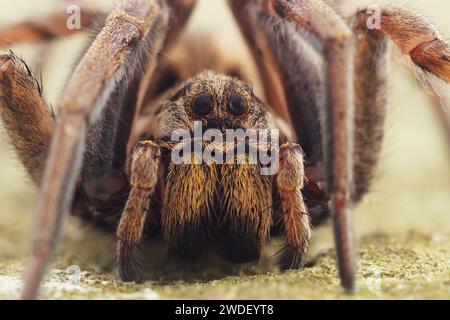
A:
x: 91, y: 249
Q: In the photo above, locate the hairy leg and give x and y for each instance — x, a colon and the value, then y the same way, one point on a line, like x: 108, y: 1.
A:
x: 145, y: 168
x: 180, y: 13
x: 107, y: 142
x: 416, y: 37
x: 27, y: 118
x: 265, y: 57
x: 412, y: 33
x: 335, y: 40
x: 291, y: 65
x: 128, y: 28
x: 111, y: 139
x: 290, y: 181
x: 371, y: 81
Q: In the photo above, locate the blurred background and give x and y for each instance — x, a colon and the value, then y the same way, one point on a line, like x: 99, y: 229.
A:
x: 403, y: 223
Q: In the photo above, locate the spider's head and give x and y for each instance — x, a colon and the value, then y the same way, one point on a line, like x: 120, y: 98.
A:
x: 218, y: 101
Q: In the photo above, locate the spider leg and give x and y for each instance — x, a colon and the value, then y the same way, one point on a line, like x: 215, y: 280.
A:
x: 145, y: 167
x: 335, y: 40
x: 418, y: 38
x: 371, y: 80
x: 264, y: 56
x: 292, y: 74
x: 129, y: 27
x: 51, y: 25
x: 180, y: 13
x: 27, y: 118
x: 112, y: 138
x: 290, y: 181
x: 414, y: 36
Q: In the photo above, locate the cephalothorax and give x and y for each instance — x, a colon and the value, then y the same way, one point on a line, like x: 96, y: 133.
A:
x: 107, y: 154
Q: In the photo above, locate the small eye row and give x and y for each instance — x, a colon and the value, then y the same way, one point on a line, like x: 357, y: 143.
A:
x: 203, y: 104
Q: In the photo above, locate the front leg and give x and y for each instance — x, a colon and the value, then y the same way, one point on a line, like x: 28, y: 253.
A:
x: 297, y: 225
x: 131, y: 29
x: 336, y: 39
x: 26, y: 116
x: 145, y: 167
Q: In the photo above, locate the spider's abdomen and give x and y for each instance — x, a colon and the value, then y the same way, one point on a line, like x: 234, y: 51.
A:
x: 226, y: 206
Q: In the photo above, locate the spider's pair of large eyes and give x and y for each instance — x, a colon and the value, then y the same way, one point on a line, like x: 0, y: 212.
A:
x: 203, y: 104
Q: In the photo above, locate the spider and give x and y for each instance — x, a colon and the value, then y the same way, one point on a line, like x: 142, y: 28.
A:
x: 106, y: 155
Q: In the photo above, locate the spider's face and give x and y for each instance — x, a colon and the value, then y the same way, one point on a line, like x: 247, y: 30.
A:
x: 218, y: 102
x: 221, y: 103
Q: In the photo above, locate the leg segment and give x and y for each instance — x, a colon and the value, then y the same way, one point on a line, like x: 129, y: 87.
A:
x: 413, y: 34
x: 264, y: 56
x: 129, y: 28
x: 111, y: 139
x: 416, y: 37
x: 335, y: 37
x: 28, y: 120
x: 144, y: 177
x: 297, y: 227
x: 108, y: 138
x: 292, y: 71
x: 180, y: 13
x: 52, y: 25
x: 371, y: 68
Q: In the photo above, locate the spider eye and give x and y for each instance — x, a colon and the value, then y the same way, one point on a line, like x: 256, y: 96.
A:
x: 202, y: 104
x: 237, y: 105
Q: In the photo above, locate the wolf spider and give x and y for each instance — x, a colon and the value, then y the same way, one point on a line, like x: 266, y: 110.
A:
x: 104, y: 156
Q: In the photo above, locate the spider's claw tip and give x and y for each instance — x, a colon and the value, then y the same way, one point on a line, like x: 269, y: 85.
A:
x: 349, y: 287
x: 128, y: 273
